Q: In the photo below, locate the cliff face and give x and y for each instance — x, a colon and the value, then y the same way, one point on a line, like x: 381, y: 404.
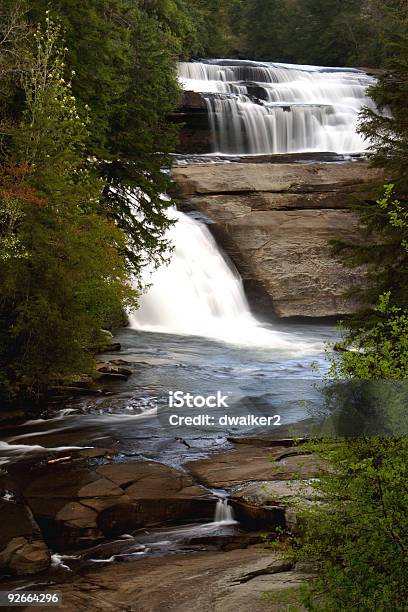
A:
x: 195, y: 134
x: 276, y: 221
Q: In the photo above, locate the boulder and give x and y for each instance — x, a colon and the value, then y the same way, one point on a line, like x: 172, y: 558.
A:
x: 107, y: 370
x: 274, y: 503
x: 192, y: 101
x: 156, y: 493
x: 24, y: 557
x: 22, y: 548
x: 267, y: 483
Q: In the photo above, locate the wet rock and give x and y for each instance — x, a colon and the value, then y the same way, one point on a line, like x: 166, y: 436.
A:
x: 195, y: 134
x: 67, y: 481
x: 119, y: 519
x: 157, y: 494
x: 267, y: 590
x: 120, y: 362
x: 267, y: 483
x: 191, y: 100
x: 77, y: 503
x: 274, y: 503
x: 109, y: 371
x: 220, y: 581
x: 145, y: 480
x: 59, y: 496
x: 151, y: 512
x: 22, y: 548
x: 77, y: 515
x: 253, y: 516
x: 97, y: 453
x: 245, y: 463
x: 25, y: 557
x: 219, y: 178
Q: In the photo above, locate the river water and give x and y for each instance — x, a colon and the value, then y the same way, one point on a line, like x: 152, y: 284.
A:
x: 133, y: 417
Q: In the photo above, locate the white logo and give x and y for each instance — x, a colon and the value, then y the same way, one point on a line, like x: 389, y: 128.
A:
x: 178, y: 399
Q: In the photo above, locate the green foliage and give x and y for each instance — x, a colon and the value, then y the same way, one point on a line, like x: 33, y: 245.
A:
x: 378, y: 350
x: 324, y: 32
x: 387, y: 127
x: 219, y: 24
x: 119, y: 66
x: 123, y: 56
x: 375, y: 343
x: 67, y: 276
x: 358, y: 534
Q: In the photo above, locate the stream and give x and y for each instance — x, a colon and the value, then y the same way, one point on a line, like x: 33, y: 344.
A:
x: 129, y: 415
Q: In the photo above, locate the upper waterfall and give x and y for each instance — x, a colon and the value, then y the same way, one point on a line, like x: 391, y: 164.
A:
x: 260, y: 108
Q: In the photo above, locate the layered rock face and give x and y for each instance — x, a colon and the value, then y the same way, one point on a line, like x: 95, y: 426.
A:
x: 22, y: 548
x: 80, y: 499
x: 195, y: 133
x: 277, y: 221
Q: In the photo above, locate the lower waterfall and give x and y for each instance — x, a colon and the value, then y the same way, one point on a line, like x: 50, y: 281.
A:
x: 200, y: 293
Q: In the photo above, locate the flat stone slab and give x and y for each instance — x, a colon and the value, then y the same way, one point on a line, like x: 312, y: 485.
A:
x: 149, y: 480
x: 237, y: 177
x: 248, y: 463
x: 265, y: 593
x: 205, y: 582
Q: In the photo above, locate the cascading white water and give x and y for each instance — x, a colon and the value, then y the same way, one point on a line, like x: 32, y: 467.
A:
x: 200, y: 293
x: 224, y: 513
x: 266, y: 108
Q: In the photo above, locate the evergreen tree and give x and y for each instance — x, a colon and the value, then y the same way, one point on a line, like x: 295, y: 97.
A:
x: 383, y: 251
x: 124, y: 60
x: 387, y: 128
x: 62, y: 275
x: 323, y: 32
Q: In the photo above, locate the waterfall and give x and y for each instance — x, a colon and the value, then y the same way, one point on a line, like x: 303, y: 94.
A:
x: 200, y: 293
x: 224, y: 512
x: 266, y: 108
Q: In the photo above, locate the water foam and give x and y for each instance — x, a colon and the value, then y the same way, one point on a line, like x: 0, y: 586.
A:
x: 269, y: 108
x: 200, y: 293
